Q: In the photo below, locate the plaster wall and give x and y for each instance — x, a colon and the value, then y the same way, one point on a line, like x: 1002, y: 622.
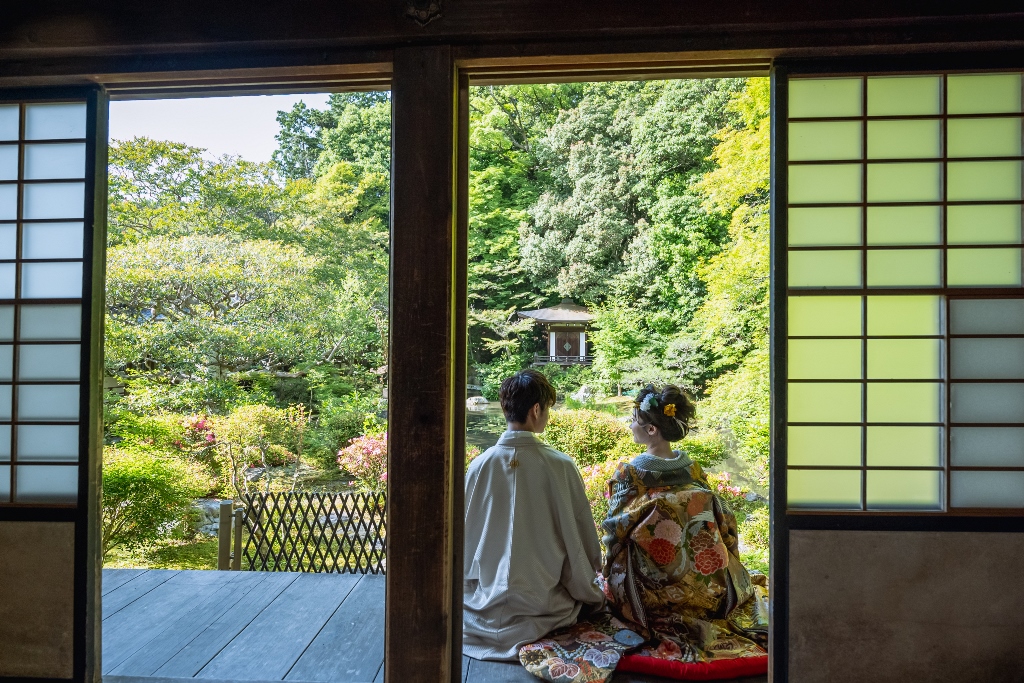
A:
x: 905, y: 606
x: 36, y: 598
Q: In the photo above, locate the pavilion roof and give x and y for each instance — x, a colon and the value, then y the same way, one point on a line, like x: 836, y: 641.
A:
x: 564, y: 312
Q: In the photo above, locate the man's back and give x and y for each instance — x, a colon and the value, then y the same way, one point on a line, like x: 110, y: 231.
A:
x: 531, y: 548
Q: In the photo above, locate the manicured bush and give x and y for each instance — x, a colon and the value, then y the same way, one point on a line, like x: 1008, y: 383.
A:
x: 144, y: 494
x: 590, y: 436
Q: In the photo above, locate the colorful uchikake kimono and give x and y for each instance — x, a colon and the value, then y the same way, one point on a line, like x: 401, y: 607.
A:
x: 672, y: 576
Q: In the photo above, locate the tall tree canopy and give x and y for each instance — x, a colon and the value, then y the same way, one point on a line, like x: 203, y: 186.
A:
x: 224, y: 275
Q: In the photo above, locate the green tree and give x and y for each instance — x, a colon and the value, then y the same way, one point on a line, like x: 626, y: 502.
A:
x: 299, y: 142
x: 733, y: 320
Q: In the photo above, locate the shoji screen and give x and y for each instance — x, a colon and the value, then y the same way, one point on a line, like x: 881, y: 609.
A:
x: 42, y: 240
x: 52, y: 188
x: 906, y: 333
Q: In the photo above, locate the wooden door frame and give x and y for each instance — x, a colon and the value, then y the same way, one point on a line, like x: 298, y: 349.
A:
x: 430, y: 89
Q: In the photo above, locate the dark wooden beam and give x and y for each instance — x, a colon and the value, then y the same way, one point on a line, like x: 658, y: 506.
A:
x: 81, y: 37
x: 422, y: 625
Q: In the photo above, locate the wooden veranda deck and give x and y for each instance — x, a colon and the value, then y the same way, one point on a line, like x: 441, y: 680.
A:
x: 164, y: 626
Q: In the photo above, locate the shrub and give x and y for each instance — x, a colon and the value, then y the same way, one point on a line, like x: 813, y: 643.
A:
x: 754, y: 547
x: 740, y: 499
x: 366, y: 459
x: 161, y: 431
x: 568, y: 379
x: 143, y: 494
x: 472, y: 452
x: 338, y: 421
x: 590, y: 436
x: 705, y: 447
x: 257, y: 434
x: 595, y: 480
x: 491, y: 375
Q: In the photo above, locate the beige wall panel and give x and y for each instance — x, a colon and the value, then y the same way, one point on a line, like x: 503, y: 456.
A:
x: 36, y: 598
x: 871, y: 606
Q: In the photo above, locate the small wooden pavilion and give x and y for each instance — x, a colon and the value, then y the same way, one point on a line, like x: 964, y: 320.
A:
x: 565, y: 333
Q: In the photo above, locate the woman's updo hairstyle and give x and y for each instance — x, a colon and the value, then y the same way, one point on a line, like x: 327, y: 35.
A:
x: 670, y: 409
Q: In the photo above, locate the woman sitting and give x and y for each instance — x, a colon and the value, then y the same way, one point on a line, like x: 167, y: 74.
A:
x: 672, y: 573
x: 672, y: 565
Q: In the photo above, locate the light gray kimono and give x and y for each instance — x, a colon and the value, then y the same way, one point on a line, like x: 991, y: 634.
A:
x: 532, y: 554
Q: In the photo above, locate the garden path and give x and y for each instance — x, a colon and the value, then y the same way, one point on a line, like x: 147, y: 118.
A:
x: 166, y: 626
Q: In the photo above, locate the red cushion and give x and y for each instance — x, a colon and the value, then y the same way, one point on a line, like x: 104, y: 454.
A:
x: 695, y: 671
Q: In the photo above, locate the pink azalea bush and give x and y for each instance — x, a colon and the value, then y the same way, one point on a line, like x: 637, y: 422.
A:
x: 472, y: 452
x: 595, y: 480
x: 366, y: 459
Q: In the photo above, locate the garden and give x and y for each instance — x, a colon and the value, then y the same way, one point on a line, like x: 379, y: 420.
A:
x: 247, y: 303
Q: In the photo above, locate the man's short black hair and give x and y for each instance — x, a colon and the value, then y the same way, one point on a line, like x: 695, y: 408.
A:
x: 522, y: 391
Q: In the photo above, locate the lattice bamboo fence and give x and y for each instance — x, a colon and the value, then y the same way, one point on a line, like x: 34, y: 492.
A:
x: 315, y: 532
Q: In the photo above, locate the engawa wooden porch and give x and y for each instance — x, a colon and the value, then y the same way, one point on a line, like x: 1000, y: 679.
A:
x: 163, y: 626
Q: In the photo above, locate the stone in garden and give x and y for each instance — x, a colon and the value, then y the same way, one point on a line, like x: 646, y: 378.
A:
x: 584, y: 394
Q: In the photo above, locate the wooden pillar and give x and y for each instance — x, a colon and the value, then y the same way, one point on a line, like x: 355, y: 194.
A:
x: 424, y: 621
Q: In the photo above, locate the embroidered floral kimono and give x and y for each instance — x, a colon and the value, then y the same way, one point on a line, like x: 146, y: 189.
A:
x: 673, y: 580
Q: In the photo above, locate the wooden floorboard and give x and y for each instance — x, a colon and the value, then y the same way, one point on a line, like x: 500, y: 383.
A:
x: 217, y: 634
x: 132, y: 627
x: 184, y: 626
x: 282, y: 631
x: 164, y: 626
x: 121, y: 597
x: 115, y: 578
x: 350, y: 647
x: 498, y: 672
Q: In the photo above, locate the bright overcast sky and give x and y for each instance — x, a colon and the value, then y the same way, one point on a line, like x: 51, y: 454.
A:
x: 245, y: 126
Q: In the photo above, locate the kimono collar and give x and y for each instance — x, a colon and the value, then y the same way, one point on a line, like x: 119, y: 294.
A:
x: 513, y: 437
x: 655, y: 464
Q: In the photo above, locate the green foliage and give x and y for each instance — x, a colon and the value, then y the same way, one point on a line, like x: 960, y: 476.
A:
x: 157, y: 432
x: 366, y: 459
x: 143, y: 494
x: 491, y: 375
x: 754, y: 540
x: 733, y: 320
x: 704, y: 447
x: 595, y: 481
x: 166, y: 553
x: 567, y: 379
x: 622, y: 162
x: 236, y: 284
x: 225, y: 282
x: 738, y: 404
x: 299, y: 144
x: 590, y: 436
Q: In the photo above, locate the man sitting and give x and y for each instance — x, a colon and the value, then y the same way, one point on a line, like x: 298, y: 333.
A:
x: 532, y: 554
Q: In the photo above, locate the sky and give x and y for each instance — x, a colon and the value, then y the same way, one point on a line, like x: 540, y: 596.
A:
x: 243, y: 126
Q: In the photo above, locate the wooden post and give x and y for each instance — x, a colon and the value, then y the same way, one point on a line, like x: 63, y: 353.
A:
x: 423, y: 623
x: 224, y: 536
x: 236, y: 552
